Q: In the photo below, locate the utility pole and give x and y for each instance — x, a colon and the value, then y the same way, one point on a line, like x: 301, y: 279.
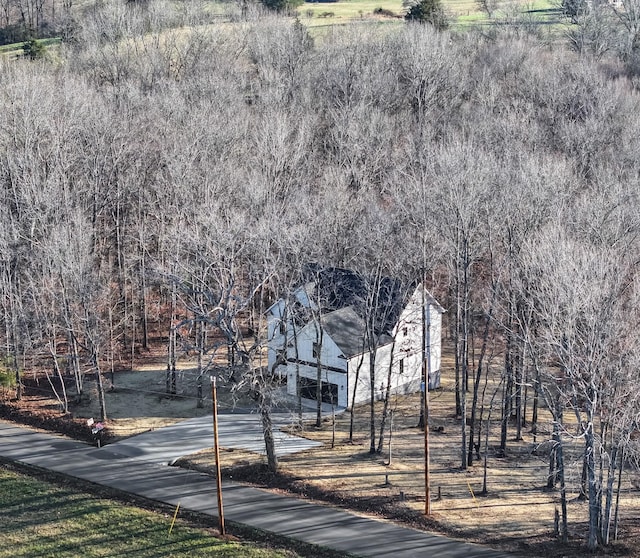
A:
x: 214, y: 397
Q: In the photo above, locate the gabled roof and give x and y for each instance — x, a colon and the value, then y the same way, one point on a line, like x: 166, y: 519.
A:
x: 347, y: 330
x: 347, y: 300
x: 334, y: 288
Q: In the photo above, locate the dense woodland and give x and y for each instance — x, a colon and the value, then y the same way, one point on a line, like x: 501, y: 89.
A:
x: 155, y: 171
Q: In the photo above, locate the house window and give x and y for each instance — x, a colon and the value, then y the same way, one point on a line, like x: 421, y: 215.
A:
x: 401, y: 371
x: 405, y: 331
x: 316, y: 350
x: 283, y: 328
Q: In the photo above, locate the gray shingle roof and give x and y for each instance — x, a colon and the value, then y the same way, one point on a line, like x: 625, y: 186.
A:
x: 347, y: 330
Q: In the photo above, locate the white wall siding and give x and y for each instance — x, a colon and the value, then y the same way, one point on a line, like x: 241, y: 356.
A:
x: 405, y: 376
x: 435, y: 338
x: 330, y: 355
x: 411, y: 322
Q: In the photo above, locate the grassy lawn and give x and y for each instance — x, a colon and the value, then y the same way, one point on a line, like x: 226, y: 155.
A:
x: 16, y: 48
x: 39, y: 520
x: 316, y: 14
x: 461, y: 12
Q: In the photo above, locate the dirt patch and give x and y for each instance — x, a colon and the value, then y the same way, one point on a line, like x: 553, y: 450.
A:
x: 136, y: 401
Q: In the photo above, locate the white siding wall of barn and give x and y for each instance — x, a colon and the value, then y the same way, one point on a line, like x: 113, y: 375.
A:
x: 405, y: 375
x: 330, y: 357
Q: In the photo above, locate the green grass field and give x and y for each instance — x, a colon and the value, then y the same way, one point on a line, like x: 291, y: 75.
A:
x: 44, y: 520
x: 16, y: 49
x: 461, y: 12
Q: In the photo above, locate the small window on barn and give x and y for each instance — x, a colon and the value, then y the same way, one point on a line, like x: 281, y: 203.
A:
x: 316, y: 350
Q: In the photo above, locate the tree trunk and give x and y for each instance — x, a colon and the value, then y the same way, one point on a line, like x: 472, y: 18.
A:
x: 78, y: 376
x: 199, y: 348
x: 319, y: 378
x: 606, y: 519
x: 143, y: 302
x: 534, y: 410
x: 353, y: 398
x: 456, y: 350
x: 14, y: 350
x: 618, y: 489
x: 103, y: 404
x: 464, y: 352
x: 584, y: 489
x: 171, y: 387
x: 372, y: 401
x: 99, y: 384
x: 593, y: 489
x: 64, y: 402
x: 508, y: 389
x: 564, y: 533
x: 267, y: 429
x: 386, y: 400
x: 486, y: 440
x: 476, y: 386
x: 518, y: 385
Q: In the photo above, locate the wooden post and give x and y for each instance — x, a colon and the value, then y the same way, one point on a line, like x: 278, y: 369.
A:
x: 214, y: 397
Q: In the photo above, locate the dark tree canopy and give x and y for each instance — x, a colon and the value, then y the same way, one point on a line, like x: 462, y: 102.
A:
x: 283, y: 6
x: 428, y: 11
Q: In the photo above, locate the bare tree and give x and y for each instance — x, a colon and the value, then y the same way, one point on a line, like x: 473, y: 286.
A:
x: 585, y: 292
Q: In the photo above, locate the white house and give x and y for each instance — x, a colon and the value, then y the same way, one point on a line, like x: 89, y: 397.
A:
x: 322, y: 326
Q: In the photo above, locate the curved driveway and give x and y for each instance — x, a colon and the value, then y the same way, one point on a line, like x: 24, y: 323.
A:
x: 237, y: 431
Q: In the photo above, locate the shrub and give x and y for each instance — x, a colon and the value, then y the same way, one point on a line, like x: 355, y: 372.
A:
x: 33, y: 49
x: 428, y: 11
x: 384, y: 12
x: 7, y: 379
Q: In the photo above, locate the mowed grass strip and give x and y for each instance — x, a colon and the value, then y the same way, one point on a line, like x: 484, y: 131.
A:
x: 41, y: 519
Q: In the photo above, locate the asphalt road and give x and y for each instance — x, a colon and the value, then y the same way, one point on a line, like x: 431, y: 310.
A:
x: 138, y: 466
